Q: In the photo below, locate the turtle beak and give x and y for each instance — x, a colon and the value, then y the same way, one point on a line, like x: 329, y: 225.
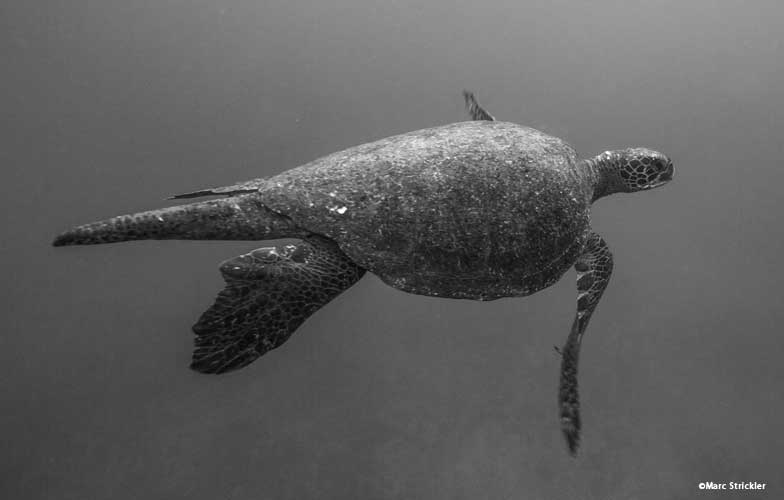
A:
x: 666, y: 176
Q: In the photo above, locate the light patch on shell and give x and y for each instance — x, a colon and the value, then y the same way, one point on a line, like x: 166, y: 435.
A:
x: 339, y: 210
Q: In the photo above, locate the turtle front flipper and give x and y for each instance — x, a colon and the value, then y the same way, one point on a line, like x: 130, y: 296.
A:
x: 594, y: 268
x: 476, y: 111
x: 269, y: 293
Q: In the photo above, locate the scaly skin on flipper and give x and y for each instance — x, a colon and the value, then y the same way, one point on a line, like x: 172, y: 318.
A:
x: 269, y: 293
x: 237, y: 218
x: 594, y: 268
x: 476, y: 111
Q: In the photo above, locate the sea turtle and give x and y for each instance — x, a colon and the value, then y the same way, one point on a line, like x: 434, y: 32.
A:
x: 478, y: 210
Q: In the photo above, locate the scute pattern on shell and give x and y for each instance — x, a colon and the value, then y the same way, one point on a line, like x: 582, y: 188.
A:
x: 475, y: 209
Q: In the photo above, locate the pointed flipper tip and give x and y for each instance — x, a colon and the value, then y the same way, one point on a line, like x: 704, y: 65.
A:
x: 219, y: 362
x: 572, y: 434
x: 64, y: 239
x: 474, y: 109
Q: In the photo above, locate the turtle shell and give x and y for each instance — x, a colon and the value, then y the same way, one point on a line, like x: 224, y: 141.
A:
x: 478, y: 209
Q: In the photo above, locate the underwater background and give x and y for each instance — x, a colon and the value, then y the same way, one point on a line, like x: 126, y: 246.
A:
x: 110, y: 106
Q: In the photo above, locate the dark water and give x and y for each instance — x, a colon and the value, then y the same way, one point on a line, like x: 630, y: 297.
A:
x: 109, y: 106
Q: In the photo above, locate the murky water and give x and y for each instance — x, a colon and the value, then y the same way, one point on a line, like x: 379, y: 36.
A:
x: 108, y: 107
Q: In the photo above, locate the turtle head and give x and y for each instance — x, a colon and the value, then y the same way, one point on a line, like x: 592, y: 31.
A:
x: 629, y: 170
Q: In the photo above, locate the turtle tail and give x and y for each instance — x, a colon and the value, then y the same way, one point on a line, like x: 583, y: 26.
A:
x: 241, y: 217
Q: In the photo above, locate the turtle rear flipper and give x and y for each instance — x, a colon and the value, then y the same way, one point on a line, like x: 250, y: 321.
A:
x: 242, y: 217
x: 269, y: 293
x: 476, y: 111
